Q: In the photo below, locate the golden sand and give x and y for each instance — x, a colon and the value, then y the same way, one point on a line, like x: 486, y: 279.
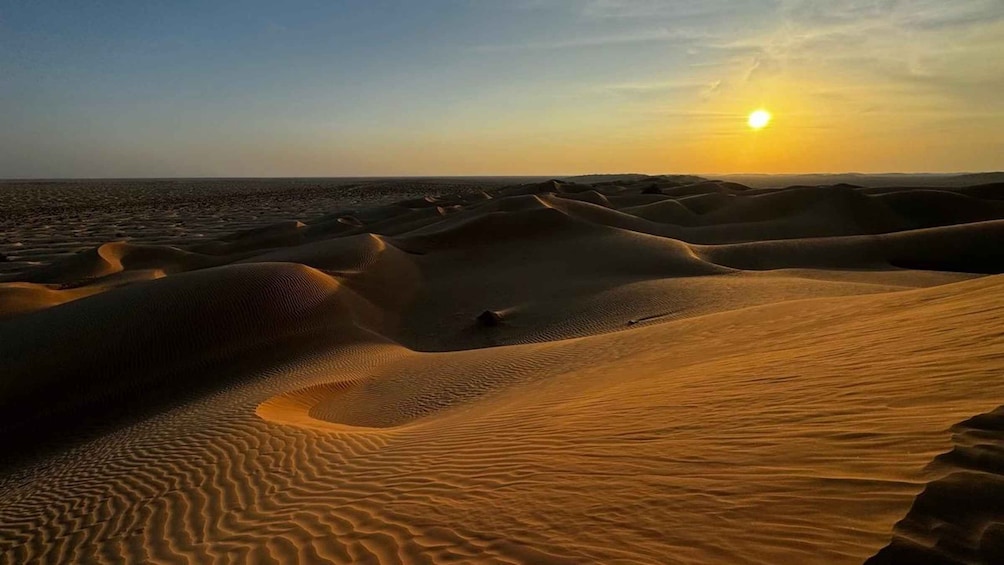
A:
x: 675, y: 372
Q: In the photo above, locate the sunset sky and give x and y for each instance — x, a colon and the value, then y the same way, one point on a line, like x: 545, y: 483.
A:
x: 496, y: 87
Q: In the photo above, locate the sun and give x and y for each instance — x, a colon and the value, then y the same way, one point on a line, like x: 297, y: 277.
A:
x: 759, y: 119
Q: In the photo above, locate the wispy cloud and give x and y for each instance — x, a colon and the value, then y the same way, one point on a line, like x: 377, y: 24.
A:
x: 652, y: 86
x: 919, y: 14
x: 925, y: 49
x: 665, y: 89
x: 679, y: 10
x: 658, y: 35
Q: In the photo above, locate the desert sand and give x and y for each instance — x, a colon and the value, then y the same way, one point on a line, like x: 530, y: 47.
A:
x: 42, y: 221
x: 649, y: 370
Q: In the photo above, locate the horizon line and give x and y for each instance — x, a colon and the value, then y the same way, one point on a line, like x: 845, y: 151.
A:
x: 486, y: 176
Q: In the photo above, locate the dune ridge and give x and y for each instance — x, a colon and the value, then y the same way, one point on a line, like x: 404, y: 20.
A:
x: 674, y: 370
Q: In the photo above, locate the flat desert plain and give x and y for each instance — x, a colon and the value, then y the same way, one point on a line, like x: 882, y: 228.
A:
x: 664, y: 370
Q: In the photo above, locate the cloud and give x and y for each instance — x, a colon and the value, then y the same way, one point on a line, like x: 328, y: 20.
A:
x: 679, y: 10
x: 644, y: 90
x: 662, y: 87
x: 917, y: 14
x: 762, y: 67
x: 827, y: 12
x: 925, y: 49
x: 713, y: 89
x: 658, y: 35
x: 947, y: 15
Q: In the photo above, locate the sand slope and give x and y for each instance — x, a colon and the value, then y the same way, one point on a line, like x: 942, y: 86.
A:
x: 670, y: 370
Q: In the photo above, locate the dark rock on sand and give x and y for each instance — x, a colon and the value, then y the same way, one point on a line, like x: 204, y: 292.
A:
x: 489, y: 318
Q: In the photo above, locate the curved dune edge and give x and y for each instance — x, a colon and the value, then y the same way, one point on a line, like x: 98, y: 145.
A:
x: 23, y: 298
x: 161, y: 335
x: 959, y: 517
x: 293, y: 408
x: 442, y: 382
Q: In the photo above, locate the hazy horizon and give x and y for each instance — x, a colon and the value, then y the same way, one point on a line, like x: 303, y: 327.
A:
x: 517, y: 175
x: 521, y: 88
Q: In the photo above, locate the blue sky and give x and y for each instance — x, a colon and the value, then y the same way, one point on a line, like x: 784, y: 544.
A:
x: 121, y: 89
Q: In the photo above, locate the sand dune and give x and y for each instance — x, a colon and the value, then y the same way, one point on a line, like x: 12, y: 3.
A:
x: 44, y: 221
x: 671, y: 370
x: 937, y: 529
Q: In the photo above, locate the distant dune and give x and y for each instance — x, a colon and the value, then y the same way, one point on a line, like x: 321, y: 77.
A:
x: 915, y: 180
x: 604, y: 369
x: 869, y: 180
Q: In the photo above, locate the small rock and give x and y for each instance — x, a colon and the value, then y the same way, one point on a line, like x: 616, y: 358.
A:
x: 489, y: 318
